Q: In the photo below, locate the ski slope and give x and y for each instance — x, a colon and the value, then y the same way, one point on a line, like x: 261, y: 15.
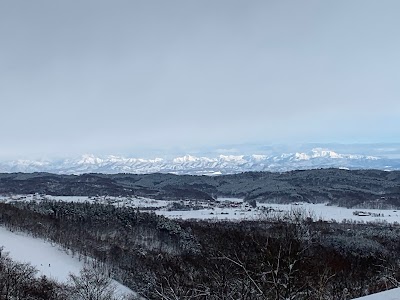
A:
x: 393, y: 294
x: 49, y: 259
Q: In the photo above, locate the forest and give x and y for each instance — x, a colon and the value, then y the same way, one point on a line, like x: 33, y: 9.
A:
x: 347, y: 188
x: 159, y: 258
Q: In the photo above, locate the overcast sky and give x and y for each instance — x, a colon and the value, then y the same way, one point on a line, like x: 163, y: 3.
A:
x: 81, y: 76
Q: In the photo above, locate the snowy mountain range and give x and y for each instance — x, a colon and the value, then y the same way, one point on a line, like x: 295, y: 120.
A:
x: 204, y: 165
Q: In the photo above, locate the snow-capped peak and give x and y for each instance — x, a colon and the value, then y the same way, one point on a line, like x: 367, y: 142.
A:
x: 89, y: 159
x: 236, y: 158
x: 258, y: 157
x: 301, y: 156
x: 209, y: 165
x: 319, y: 152
x: 186, y: 158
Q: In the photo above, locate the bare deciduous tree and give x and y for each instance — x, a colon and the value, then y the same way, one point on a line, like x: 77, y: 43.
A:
x: 91, y: 284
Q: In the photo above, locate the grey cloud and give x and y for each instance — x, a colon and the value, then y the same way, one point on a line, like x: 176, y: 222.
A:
x: 112, y: 76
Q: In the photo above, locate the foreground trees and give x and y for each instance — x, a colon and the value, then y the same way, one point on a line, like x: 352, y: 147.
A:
x: 91, y: 285
x: 18, y: 281
x: 293, y: 258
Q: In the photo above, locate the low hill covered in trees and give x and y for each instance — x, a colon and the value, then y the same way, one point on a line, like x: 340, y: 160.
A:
x: 341, y: 187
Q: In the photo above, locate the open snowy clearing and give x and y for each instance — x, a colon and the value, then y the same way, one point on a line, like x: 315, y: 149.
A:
x: 334, y: 213
x: 49, y: 259
x: 236, y: 209
x: 227, y: 208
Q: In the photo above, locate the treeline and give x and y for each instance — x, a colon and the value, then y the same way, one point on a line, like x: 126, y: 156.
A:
x: 166, y: 259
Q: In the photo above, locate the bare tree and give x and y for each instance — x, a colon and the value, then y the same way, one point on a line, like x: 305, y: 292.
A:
x: 14, y: 277
x: 91, y: 284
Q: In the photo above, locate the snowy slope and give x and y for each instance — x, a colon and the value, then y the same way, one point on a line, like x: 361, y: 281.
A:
x: 393, y: 294
x: 47, y: 258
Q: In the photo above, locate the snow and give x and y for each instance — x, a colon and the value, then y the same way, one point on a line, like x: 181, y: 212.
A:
x: 54, y: 262
x: 228, y: 208
x: 315, y: 211
x: 186, y: 158
x: 207, y: 214
x: 49, y: 259
x: 393, y: 294
x: 319, y: 152
x: 235, y: 158
x: 203, y: 165
x: 325, y: 212
x: 90, y: 159
x: 259, y: 157
x: 137, y: 202
x: 235, y: 209
x: 301, y: 156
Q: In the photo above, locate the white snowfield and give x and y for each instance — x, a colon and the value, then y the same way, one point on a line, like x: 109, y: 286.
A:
x: 228, y: 208
x: 49, y: 259
x: 264, y: 210
x: 393, y: 294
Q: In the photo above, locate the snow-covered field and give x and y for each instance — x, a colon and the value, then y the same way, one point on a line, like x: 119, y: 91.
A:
x: 47, y: 258
x: 334, y: 213
x: 315, y: 211
x: 227, y: 208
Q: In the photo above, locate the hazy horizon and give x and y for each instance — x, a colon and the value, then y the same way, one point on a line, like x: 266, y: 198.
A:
x: 384, y: 150
x: 131, y: 77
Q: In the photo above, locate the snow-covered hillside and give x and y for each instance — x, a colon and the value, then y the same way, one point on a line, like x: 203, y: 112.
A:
x: 393, y: 294
x: 49, y: 259
x: 205, y: 165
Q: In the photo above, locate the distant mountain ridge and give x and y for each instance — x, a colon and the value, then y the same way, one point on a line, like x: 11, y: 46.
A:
x: 205, y: 165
